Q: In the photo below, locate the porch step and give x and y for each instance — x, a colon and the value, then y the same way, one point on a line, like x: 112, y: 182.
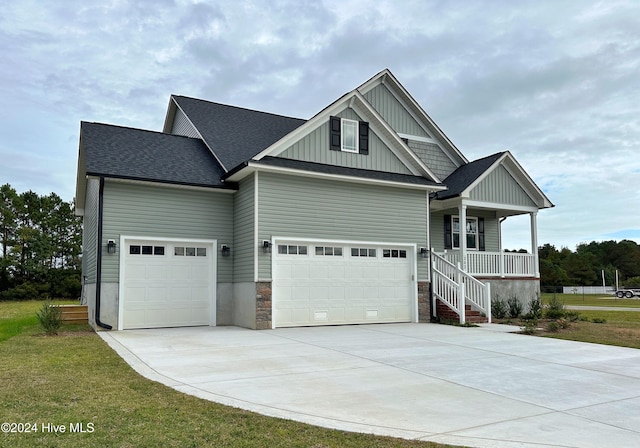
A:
x: 471, y: 316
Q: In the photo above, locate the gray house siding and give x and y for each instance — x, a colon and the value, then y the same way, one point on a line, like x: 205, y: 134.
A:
x: 492, y: 240
x: 164, y: 212
x: 296, y: 206
x: 182, y: 126
x: 315, y: 148
x: 90, y: 231
x: 500, y: 187
x: 433, y: 156
x: 393, y: 111
x: 244, y: 240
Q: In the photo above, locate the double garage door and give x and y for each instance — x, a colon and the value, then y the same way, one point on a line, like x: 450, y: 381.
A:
x: 167, y: 284
x: 322, y: 283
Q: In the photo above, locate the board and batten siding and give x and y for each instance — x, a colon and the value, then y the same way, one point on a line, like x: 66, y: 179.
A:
x: 491, y: 236
x: 182, y: 126
x: 314, y: 147
x: 165, y: 212
x: 304, y: 207
x: 90, y: 231
x: 244, y: 246
x: 501, y: 188
x: 393, y: 111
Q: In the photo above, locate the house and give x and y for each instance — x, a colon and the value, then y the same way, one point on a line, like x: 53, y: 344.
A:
x: 364, y: 213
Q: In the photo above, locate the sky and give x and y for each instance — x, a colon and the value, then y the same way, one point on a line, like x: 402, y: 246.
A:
x: 557, y: 83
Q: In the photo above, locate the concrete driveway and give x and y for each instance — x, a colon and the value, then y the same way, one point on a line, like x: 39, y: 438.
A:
x: 479, y: 387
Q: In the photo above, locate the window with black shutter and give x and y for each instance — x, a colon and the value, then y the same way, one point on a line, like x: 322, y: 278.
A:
x: 348, y: 135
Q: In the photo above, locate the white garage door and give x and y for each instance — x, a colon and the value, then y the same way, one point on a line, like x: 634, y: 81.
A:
x: 167, y: 284
x: 330, y: 283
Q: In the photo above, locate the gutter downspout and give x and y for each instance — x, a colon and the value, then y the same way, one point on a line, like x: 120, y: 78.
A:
x: 99, y: 255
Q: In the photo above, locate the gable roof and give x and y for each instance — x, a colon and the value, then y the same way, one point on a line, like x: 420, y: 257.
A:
x: 462, y: 181
x: 458, y: 181
x: 233, y: 134
x: 356, y: 101
x: 389, y: 80
x: 128, y: 153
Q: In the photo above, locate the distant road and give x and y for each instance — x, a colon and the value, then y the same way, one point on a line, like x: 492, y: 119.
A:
x: 600, y: 308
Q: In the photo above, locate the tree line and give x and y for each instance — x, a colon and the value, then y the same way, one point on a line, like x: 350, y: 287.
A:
x: 40, y: 246
x: 584, y: 266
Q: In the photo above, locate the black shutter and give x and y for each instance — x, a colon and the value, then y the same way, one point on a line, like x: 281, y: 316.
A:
x: 334, y: 134
x: 447, y: 232
x: 481, y: 233
x: 363, y: 135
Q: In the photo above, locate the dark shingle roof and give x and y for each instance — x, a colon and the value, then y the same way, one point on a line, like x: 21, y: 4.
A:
x: 465, y: 175
x: 235, y: 134
x: 344, y: 171
x: 128, y: 153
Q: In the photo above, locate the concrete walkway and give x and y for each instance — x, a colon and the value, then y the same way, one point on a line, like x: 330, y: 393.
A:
x: 480, y: 387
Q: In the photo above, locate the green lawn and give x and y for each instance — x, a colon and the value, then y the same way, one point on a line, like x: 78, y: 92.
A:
x: 75, y: 378
x: 592, y: 300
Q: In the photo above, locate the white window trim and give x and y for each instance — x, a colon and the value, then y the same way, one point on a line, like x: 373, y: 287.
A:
x: 356, y: 125
x: 469, y: 218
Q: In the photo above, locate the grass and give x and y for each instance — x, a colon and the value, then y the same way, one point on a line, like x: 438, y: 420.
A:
x: 592, y: 300
x: 76, y: 378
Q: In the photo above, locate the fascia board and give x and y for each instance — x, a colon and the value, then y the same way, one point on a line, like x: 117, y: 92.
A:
x: 526, y: 182
x: 169, y: 116
x: 401, y: 93
x: 276, y: 169
x: 409, y: 158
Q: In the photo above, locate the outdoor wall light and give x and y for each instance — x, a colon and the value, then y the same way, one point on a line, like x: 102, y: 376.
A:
x: 225, y: 250
x: 111, y: 246
x: 424, y: 252
x: 266, y: 246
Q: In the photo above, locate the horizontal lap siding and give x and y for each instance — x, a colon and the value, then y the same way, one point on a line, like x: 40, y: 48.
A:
x: 165, y: 212
x: 90, y: 231
x: 243, y: 223
x: 501, y: 188
x: 182, y: 126
x: 295, y: 206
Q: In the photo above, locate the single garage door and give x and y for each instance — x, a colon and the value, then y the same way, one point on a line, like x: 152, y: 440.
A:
x: 330, y: 283
x: 167, y: 284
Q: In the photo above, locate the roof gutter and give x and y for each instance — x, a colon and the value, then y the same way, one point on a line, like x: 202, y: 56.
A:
x: 99, y: 261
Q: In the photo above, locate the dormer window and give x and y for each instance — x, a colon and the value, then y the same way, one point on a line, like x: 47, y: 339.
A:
x: 349, y: 135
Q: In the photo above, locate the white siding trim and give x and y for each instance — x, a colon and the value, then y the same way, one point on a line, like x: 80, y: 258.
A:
x: 255, y: 227
x: 359, y: 180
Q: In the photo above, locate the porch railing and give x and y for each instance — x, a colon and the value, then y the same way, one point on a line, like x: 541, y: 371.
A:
x: 495, y: 264
x: 455, y: 288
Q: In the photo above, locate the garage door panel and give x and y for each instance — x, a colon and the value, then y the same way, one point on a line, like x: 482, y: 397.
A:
x: 165, y: 286
x: 345, y: 288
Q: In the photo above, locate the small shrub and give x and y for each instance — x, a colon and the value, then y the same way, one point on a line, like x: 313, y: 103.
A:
x: 515, y: 307
x: 599, y: 320
x: 564, y: 323
x: 535, y: 309
x: 530, y: 326
x: 50, y: 318
x: 572, y: 316
x: 553, y: 327
x: 555, y: 309
x: 498, y: 308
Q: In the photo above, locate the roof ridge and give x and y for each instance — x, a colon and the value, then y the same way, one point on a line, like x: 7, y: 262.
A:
x: 137, y: 129
x: 237, y: 107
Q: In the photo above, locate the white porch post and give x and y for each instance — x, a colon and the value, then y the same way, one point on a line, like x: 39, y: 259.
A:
x: 463, y: 235
x: 500, y: 249
x: 534, y: 242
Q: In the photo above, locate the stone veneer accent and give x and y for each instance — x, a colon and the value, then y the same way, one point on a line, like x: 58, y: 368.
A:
x: 424, y: 302
x: 263, y: 306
